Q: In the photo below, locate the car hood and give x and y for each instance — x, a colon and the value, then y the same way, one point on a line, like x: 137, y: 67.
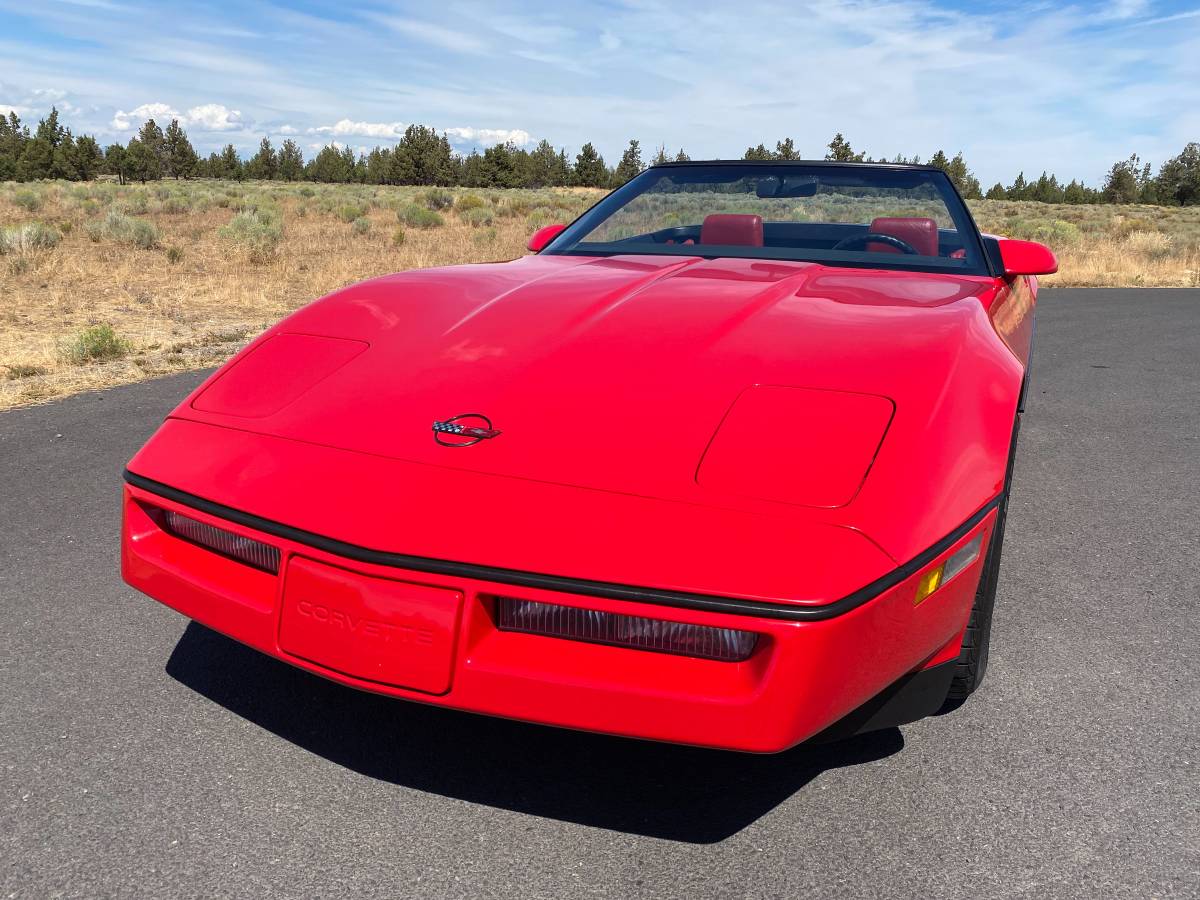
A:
x: 611, y: 373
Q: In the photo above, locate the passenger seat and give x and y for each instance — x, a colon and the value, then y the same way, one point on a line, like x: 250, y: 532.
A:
x: 921, y: 234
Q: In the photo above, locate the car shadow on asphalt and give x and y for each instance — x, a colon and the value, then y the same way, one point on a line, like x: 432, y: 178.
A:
x: 639, y: 787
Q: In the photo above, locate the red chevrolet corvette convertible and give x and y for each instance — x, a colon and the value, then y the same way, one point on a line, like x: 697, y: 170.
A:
x: 724, y: 463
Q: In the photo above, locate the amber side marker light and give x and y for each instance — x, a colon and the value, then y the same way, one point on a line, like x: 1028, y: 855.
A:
x: 618, y: 630
x: 242, y: 549
x: 952, y: 565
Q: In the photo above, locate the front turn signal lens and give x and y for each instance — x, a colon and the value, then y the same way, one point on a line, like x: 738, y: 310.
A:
x: 929, y: 583
x: 952, y: 565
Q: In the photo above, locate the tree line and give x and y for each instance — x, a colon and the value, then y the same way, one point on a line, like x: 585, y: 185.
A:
x: 422, y: 156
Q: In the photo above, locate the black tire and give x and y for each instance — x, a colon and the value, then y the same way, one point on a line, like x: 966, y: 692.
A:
x: 973, y: 657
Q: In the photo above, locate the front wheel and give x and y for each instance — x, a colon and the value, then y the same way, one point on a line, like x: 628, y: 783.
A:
x: 973, y: 657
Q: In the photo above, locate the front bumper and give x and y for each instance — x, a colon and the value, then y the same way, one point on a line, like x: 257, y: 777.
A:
x: 802, y: 677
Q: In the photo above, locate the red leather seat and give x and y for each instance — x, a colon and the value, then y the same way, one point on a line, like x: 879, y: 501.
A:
x: 726, y: 228
x: 921, y: 234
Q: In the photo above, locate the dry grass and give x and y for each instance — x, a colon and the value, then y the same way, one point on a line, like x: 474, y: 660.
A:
x: 201, y: 292
x: 1105, y: 246
x: 185, y: 274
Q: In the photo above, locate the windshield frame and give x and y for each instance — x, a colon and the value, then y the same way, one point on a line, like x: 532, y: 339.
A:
x: 978, y: 261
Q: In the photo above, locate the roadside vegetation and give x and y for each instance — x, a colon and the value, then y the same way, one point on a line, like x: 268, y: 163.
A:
x: 103, y: 284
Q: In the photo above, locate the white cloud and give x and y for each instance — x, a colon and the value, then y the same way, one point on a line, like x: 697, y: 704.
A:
x: 206, y: 117
x: 288, y: 129
x: 489, y: 136
x: 609, y: 41
x: 343, y: 127
x: 127, y: 121
x: 213, y: 117
x: 395, y: 130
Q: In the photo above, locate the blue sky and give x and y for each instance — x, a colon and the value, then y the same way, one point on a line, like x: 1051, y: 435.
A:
x: 1020, y: 85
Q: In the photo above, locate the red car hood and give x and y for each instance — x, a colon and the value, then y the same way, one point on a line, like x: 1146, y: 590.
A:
x: 614, y: 374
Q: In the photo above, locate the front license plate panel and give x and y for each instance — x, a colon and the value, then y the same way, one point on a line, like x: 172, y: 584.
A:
x: 378, y: 629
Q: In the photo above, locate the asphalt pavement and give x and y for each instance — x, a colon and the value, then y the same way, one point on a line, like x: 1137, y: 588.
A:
x: 141, y: 755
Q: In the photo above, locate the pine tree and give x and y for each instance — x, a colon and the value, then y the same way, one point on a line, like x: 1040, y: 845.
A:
x: 590, y: 170
x: 682, y: 157
x: 1179, y: 178
x: 142, y: 162
x: 1018, y: 190
x: 630, y: 165
x: 785, y: 149
x: 178, y: 152
x: 1121, y: 185
x: 966, y: 183
x: 13, y: 136
x: 231, y: 163
x: 757, y: 153
x: 841, y: 151
x: 500, y: 167
x: 263, y: 165
x: 471, y: 172
x: 422, y: 157
x: 37, y: 160
x: 152, y: 163
x: 660, y: 156
x: 329, y: 165
x: 997, y: 192
x: 49, y: 130
x: 291, y: 161
x: 86, y: 159
x: 116, y: 162
x: 546, y: 166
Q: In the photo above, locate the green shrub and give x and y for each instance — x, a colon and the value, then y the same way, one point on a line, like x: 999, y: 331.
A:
x: 470, y: 201
x: 28, y: 200
x: 306, y: 192
x: 89, y: 208
x: 255, y: 231
x: 438, y: 198
x: 348, y: 212
x: 361, y: 225
x: 419, y: 217
x: 125, y: 230
x: 398, y: 237
x: 137, y: 204
x: 94, y: 344
x: 174, y: 255
x: 544, y: 215
x: 516, y: 208
x: 24, y: 239
x: 174, y: 206
x: 1123, y: 226
x: 484, y: 237
x: 1057, y: 233
x: 477, y: 218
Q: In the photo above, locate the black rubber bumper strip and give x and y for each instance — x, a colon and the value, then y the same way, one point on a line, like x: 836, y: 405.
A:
x: 560, y: 583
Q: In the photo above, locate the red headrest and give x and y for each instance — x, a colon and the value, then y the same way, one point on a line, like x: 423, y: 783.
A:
x: 921, y: 234
x: 743, y: 230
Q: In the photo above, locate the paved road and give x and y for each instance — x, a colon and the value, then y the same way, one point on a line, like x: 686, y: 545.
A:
x: 141, y: 755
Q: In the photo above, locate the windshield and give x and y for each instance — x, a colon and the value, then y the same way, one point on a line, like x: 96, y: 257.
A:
x: 835, y: 214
